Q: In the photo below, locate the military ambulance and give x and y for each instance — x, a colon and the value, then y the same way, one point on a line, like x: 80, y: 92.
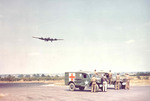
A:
x: 81, y: 80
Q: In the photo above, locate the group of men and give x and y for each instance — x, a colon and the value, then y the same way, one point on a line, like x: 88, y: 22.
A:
x: 127, y: 80
x: 107, y: 79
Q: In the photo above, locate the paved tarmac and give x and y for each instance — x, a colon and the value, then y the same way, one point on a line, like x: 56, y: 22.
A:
x: 62, y: 93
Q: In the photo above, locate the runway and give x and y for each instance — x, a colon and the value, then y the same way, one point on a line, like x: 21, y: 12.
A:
x: 62, y: 93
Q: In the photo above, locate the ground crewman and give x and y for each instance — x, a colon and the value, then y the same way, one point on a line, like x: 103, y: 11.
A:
x: 104, y: 82
x: 110, y: 77
x: 117, y: 81
x: 93, y: 80
x: 127, y: 78
x: 95, y: 73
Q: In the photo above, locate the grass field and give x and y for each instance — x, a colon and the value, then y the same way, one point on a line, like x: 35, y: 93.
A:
x: 140, y: 82
x: 133, y: 82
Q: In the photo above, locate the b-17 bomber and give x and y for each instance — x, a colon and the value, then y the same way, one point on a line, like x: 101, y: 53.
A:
x: 47, y: 39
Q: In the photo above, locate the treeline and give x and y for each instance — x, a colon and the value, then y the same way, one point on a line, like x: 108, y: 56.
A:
x: 142, y: 74
x: 35, y: 77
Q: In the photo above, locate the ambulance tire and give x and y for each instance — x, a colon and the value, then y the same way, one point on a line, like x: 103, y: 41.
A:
x: 115, y: 85
x: 120, y: 85
x: 72, y: 87
x: 123, y: 86
x: 81, y: 88
x: 101, y: 88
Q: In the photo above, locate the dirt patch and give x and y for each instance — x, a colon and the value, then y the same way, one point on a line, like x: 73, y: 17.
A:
x: 3, y: 95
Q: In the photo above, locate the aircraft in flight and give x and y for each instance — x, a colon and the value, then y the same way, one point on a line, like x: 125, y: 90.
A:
x: 47, y: 39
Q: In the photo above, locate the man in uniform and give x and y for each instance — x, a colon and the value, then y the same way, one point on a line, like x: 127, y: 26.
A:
x: 104, y: 82
x: 127, y: 78
x: 110, y: 77
x: 95, y: 73
x: 93, y: 80
x: 117, y: 81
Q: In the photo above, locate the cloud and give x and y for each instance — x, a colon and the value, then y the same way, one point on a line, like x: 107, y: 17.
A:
x: 1, y: 16
x: 34, y: 54
x: 148, y: 50
x: 147, y: 23
x: 130, y: 41
x: 118, y: 27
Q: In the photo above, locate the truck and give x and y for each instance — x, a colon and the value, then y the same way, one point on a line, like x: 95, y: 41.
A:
x: 113, y: 82
x: 81, y: 80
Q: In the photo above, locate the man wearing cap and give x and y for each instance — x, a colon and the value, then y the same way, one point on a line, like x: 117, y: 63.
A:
x: 110, y: 77
x: 104, y: 82
x: 127, y: 78
x: 93, y: 80
x: 95, y: 73
x: 117, y: 81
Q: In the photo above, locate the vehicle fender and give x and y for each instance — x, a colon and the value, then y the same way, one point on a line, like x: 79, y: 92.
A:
x: 71, y: 82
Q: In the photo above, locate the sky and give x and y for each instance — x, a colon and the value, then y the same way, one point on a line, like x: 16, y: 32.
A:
x: 98, y: 34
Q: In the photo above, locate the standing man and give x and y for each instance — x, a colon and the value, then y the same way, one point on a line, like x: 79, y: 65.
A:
x: 127, y: 78
x: 95, y: 73
x: 110, y: 77
x: 93, y: 80
x: 117, y: 81
x: 104, y: 80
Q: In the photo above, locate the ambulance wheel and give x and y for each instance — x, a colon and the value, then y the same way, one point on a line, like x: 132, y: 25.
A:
x: 123, y: 86
x: 71, y: 86
x: 115, y: 85
x: 81, y: 88
x: 120, y: 85
x: 101, y: 88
